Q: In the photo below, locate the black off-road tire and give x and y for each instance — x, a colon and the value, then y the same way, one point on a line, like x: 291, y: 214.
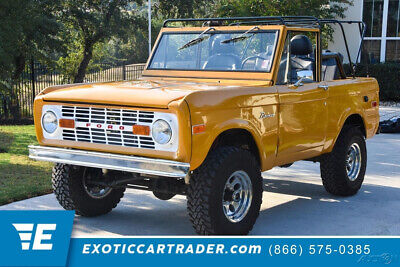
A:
x: 205, y: 192
x: 70, y: 192
x: 333, y: 165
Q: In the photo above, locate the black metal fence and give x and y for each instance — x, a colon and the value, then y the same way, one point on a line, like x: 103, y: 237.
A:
x: 37, y: 77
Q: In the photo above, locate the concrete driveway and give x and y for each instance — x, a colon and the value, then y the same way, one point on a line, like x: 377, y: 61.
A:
x: 294, y: 203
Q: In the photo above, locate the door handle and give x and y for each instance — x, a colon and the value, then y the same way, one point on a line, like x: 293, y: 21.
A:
x: 325, y: 87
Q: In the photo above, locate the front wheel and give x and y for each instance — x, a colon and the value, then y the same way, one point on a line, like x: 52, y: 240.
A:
x: 225, y: 193
x: 343, y: 169
x: 77, y: 188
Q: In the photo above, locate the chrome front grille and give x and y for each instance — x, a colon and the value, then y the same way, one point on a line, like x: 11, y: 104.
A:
x: 107, y: 126
x: 107, y: 115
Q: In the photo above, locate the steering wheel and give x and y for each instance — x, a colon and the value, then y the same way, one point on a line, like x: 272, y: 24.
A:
x: 213, y: 60
x: 252, y: 57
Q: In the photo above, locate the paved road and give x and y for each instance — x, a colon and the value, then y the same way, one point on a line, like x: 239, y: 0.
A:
x: 294, y: 203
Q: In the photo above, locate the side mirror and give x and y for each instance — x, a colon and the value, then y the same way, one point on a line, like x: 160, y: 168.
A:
x: 303, y: 76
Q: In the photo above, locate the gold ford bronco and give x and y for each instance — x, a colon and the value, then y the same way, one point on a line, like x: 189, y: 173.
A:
x: 220, y: 101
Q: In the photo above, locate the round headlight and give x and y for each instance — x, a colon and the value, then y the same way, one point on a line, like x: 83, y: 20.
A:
x: 161, y: 132
x: 49, y: 122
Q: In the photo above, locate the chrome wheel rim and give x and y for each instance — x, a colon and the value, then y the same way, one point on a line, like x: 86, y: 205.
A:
x: 94, y: 190
x: 237, y: 196
x: 353, y: 162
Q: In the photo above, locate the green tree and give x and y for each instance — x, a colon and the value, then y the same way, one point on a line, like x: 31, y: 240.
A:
x: 28, y: 28
x: 183, y: 8
x: 95, y: 21
x: 318, y: 8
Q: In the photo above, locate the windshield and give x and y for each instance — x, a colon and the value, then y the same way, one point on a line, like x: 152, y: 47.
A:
x: 212, y: 50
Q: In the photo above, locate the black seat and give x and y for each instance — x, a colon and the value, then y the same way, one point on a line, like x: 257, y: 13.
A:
x: 221, y: 56
x: 301, y: 51
x: 330, y: 68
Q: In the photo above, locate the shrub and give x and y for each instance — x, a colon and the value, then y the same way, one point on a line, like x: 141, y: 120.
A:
x: 387, y: 75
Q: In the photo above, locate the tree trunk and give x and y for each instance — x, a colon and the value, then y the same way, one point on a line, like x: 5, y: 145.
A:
x: 20, y: 61
x: 13, y: 104
x: 14, y: 107
x: 6, y: 114
x: 87, y: 56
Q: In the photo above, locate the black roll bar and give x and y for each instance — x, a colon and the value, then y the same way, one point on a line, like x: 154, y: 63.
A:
x: 290, y: 21
x: 361, y: 27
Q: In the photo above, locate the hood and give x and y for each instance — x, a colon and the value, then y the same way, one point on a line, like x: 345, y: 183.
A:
x: 141, y: 93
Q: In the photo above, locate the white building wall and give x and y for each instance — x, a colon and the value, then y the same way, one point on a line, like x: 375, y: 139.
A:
x: 352, y: 33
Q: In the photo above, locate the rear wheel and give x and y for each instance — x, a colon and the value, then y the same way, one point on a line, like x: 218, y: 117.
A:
x: 225, y: 193
x: 77, y: 188
x: 343, y: 169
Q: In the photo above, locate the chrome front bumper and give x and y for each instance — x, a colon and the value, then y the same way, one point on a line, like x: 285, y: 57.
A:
x: 159, y: 167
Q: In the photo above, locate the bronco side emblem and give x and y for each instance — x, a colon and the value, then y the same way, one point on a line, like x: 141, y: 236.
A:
x: 263, y: 115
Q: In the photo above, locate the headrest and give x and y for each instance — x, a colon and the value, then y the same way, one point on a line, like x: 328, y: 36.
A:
x: 221, y: 48
x: 300, y: 45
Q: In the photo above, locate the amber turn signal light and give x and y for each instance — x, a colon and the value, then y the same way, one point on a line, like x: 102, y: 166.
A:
x: 65, y: 123
x: 196, y: 129
x: 141, y: 130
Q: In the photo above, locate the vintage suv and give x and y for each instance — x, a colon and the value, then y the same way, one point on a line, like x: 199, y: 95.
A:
x: 220, y: 101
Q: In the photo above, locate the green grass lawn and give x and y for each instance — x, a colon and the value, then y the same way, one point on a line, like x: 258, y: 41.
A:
x: 20, y: 177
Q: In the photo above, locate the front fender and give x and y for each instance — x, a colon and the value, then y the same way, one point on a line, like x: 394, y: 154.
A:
x: 235, y: 108
x: 202, y: 143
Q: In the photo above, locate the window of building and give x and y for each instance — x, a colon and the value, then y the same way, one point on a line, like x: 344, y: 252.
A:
x: 382, y: 38
x: 393, y: 50
x: 372, y: 16
x: 371, y: 51
x: 393, y: 19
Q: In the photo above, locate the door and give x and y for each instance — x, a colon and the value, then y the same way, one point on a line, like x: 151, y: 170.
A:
x: 302, y: 102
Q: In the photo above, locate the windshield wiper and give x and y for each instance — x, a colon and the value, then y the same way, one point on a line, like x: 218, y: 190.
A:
x: 198, y: 39
x: 241, y: 37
